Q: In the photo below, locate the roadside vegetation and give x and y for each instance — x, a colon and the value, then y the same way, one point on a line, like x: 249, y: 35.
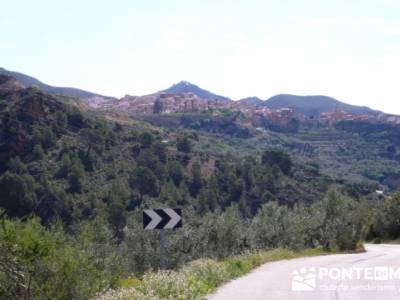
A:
x: 198, y: 278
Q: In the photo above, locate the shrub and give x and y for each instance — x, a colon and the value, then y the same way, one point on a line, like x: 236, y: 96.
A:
x: 17, y: 193
x: 38, y: 152
x: 184, y: 145
x: 36, y: 263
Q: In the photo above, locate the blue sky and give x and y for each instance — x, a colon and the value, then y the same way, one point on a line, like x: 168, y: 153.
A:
x: 349, y: 50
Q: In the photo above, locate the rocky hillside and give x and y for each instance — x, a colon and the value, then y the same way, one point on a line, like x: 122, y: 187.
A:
x: 64, y: 158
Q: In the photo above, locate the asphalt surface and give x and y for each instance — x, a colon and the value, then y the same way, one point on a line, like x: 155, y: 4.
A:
x: 372, y: 275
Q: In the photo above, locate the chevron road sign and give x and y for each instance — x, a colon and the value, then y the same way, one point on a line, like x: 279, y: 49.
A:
x: 167, y: 218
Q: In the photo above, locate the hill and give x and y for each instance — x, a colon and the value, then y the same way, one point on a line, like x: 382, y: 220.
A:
x: 315, y: 105
x: 28, y: 81
x: 187, y: 87
x: 255, y: 101
x: 74, y: 182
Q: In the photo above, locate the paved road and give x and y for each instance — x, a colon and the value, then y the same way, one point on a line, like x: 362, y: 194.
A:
x: 366, y: 276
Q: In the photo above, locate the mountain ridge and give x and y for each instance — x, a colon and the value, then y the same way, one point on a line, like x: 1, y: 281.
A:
x: 28, y: 81
x: 187, y: 87
x: 314, y: 105
x: 252, y: 101
x: 309, y: 105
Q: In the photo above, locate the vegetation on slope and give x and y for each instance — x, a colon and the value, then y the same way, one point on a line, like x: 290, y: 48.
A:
x: 198, y: 278
x: 73, y: 185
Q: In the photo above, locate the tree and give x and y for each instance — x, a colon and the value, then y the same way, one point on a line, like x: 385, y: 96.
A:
x: 65, y: 166
x: 206, y: 201
x: 75, y: 117
x: 144, y: 180
x: 344, y: 221
x: 146, y: 139
x: 222, y: 236
x: 175, y: 172
x: 15, y: 165
x: 61, y: 121
x: 94, y: 138
x: 160, y: 150
x: 158, y: 106
x: 38, y: 152
x: 147, y: 159
x: 387, y: 222
x: 17, y: 193
x: 197, y: 181
x: 183, y: 144
x: 267, y: 229
x: 277, y: 158
x: 117, y: 200
x: 76, y: 176
x: 43, y: 136
x: 40, y: 263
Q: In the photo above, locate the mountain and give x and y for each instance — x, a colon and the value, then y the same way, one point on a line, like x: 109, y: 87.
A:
x: 255, y: 101
x: 315, y: 105
x: 28, y: 81
x: 187, y: 87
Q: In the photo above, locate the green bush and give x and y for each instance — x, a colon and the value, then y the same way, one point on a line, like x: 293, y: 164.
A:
x: 199, y: 277
x: 36, y: 263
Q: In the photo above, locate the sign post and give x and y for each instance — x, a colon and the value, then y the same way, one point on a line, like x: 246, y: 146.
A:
x: 162, y: 251
x: 160, y: 219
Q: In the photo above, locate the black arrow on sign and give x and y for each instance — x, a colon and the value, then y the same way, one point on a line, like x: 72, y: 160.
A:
x: 165, y: 218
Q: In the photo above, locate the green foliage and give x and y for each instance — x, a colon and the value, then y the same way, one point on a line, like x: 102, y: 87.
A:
x: 386, y: 223
x: 198, y: 278
x: 345, y: 221
x: 207, y: 201
x: 147, y: 159
x: 43, y: 136
x: 117, y: 200
x: 183, y: 144
x: 15, y: 165
x: 61, y: 121
x: 279, y: 159
x: 75, y: 117
x: 36, y: 263
x: 144, y: 180
x: 38, y: 152
x: 65, y: 166
x: 175, y: 172
x: 17, y: 193
x: 158, y: 106
x: 96, y: 176
x: 338, y: 223
x: 76, y: 176
x: 146, y: 139
x: 197, y: 181
x: 160, y: 150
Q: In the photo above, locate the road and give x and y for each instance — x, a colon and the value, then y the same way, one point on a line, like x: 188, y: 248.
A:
x: 372, y: 275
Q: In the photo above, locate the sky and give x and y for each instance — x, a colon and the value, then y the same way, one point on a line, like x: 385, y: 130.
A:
x: 346, y: 49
